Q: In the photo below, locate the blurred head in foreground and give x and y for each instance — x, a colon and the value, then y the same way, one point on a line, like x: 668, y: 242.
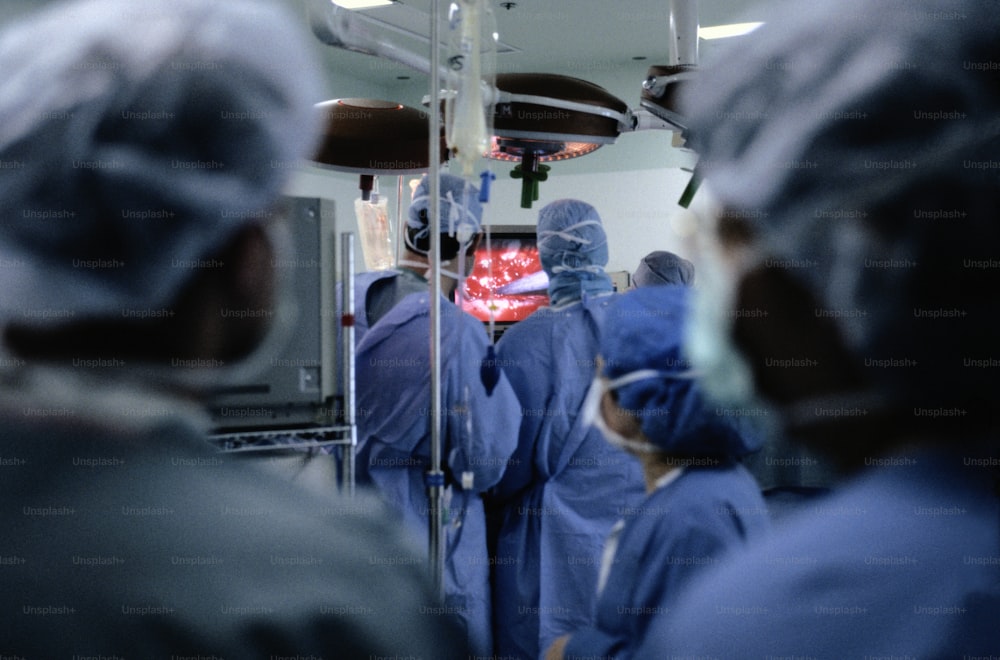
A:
x: 144, y: 158
x: 849, y: 244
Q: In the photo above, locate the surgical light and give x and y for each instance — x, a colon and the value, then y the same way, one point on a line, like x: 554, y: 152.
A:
x: 372, y: 136
x: 541, y: 117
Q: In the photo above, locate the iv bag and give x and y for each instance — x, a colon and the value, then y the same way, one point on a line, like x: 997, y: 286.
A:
x: 471, y: 62
x: 376, y: 233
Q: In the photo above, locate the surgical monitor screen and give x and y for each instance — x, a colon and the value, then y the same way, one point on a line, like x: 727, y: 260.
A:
x: 507, y: 276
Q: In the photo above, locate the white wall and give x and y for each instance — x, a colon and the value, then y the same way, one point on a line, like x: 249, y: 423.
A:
x: 635, y: 207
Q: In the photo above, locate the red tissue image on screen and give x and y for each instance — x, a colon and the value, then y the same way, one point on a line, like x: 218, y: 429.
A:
x: 516, y: 280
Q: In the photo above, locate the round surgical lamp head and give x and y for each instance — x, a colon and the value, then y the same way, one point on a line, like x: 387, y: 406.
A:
x: 370, y: 136
x: 542, y: 117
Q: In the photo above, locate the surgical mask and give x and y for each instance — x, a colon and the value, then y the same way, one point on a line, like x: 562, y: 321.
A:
x: 724, y: 373
x: 592, y: 416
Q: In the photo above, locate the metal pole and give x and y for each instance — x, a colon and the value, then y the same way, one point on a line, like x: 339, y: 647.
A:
x: 351, y: 30
x: 435, y: 476
x: 347, y: 330
x: 684, y: 31
x: 400, y: 221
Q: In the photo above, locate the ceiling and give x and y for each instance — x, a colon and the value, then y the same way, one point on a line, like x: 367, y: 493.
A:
x: 576, y: 37
x: 585, y: 38
x: 596, y: 40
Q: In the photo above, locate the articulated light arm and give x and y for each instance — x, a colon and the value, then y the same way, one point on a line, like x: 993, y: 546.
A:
x: 350, y: 30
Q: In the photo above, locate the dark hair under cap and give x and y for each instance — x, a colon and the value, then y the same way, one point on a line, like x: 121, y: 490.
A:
x: 146, y: 134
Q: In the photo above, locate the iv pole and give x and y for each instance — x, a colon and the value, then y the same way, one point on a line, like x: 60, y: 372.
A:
x: 435, y: 476
x: 342, y: 28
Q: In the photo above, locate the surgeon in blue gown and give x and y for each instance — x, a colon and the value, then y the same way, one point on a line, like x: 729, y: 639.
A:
x: 566, y: 487
x: 479, y: 428
x: 877, y: 263
x: 702, y: 504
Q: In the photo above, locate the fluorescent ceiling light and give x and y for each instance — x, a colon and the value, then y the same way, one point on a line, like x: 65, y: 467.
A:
x: 726, y: 31
x: 361, y: 4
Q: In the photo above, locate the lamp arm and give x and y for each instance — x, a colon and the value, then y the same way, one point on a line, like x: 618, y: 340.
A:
x: 349, y: 30
x: 646, y: 121
x: 656, y: 86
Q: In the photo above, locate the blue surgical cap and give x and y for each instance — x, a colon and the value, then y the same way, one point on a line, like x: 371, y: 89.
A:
x: 643, y: 330
x: 573, y: 249
x: 135, y: 139
x: 860, y: 143
x: 571, y: 234
x: 460, y: 208
x: 662, y: 267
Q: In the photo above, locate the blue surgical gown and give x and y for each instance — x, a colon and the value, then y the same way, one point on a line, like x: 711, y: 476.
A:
x: 903, y: 563
x: 565, y: 487
x: 691, y: 524
x: 478, y: 434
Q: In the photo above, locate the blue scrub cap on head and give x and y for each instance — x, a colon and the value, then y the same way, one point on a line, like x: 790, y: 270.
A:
x: 643, y: 331
x: 136, y: 141
x: 570, y: 233
x: 662, y: 267
x: 573, y: 249
x: 460, y: 209
x: 859, y: 141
